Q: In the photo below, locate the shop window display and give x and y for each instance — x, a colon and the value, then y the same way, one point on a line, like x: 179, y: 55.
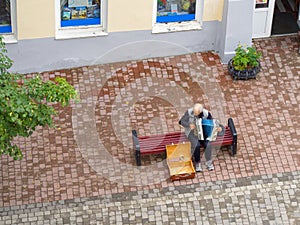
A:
x: 5, y: 17
x: 175, y: 10
x: 80, y: 12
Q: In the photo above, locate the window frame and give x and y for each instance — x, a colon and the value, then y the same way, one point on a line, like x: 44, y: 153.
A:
x: 70, y: 32
x: 178, y: 26
x: 12, y: 36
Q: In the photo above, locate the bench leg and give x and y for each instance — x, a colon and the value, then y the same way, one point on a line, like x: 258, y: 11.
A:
x: 234, y: 136
x: 136, y: 147
x: 233, y: 149
x: 138, y: 158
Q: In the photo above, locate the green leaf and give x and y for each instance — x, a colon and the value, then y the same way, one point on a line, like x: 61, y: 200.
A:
x: 245, y: 57
x: 24, y: 103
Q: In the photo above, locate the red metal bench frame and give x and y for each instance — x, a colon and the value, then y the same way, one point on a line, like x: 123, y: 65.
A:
x: 156, y: 144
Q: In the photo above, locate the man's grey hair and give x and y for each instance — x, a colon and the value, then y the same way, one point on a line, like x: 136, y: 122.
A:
x: 198, y: 107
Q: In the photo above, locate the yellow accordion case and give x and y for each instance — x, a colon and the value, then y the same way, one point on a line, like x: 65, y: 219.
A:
x: 179, y: 161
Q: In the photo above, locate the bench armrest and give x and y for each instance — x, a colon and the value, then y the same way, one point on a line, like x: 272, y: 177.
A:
x: 234, y: 135
x: 136, y: 147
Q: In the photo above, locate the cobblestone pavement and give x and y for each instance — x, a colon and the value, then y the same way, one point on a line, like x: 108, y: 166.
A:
x: 270, y: 199
x: 85, y: 165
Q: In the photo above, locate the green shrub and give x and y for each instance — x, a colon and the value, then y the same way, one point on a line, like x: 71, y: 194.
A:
x: 23, y: 103
x: 245, y: 58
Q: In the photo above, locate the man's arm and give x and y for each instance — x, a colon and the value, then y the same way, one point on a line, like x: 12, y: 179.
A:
x: 184, y: 121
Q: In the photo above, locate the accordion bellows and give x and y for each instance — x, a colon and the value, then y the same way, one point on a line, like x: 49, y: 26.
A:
x: 207, y: 126
x: 207, y: 129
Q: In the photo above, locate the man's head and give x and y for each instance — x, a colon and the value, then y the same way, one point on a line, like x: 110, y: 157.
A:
x: 197, y: 109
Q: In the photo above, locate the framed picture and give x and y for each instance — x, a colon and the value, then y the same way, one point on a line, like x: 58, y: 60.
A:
x: 262, y: 4
x: 78, y: 3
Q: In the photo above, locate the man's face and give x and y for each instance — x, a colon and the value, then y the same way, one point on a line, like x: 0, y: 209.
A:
x: 196, y: 112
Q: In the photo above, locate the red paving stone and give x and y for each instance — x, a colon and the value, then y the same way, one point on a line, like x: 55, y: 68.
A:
x: 150, y: 96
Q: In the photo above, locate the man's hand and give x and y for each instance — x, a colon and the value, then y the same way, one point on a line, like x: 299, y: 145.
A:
x: 192, y: 126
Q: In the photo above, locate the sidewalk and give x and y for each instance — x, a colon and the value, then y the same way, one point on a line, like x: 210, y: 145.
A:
x: 272, y: 199
x: 86, y: 167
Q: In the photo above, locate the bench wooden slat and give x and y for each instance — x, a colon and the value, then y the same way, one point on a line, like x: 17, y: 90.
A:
x: 176, y: 134
x: 162, y: 137
x: 164, y: 142
x: 159, y: 135
x: 162, y: 148
x: 155, y: 151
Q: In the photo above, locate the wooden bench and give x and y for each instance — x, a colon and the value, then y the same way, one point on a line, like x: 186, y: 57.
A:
x: 156, y: 144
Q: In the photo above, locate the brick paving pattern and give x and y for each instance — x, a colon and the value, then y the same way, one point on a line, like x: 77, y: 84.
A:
x: 89, y: 155
x: 270, y: 199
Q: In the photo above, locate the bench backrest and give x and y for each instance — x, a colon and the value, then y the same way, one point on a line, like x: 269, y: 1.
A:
x: 157, y: 143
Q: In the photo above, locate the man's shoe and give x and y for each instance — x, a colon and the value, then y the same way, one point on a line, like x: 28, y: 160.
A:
x: 198, y: 167
x: 210, y: 165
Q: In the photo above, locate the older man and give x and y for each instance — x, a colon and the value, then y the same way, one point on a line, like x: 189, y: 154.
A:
x: 188, y: 121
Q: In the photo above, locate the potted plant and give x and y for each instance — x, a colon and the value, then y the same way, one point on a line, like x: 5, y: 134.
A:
x: 245, y: 64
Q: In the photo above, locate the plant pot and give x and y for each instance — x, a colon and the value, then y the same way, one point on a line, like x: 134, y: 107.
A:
x: 243, y: 74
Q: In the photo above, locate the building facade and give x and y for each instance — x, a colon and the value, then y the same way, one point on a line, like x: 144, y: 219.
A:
x: 44, y: 35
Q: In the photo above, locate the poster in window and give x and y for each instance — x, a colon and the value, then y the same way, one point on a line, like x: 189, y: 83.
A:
x: 262, y: 4
x: 66, y: 15
x: 78, y: 3
x: 174, y: 8
x: 93, y: 11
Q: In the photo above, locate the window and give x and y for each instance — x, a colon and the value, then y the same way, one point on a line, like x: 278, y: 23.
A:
x: 7, y: 20
x: 177, y: 15
x: 5, y: 17
x: 79, y: 18
x: 80, y: 12
x: 175, y: 11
